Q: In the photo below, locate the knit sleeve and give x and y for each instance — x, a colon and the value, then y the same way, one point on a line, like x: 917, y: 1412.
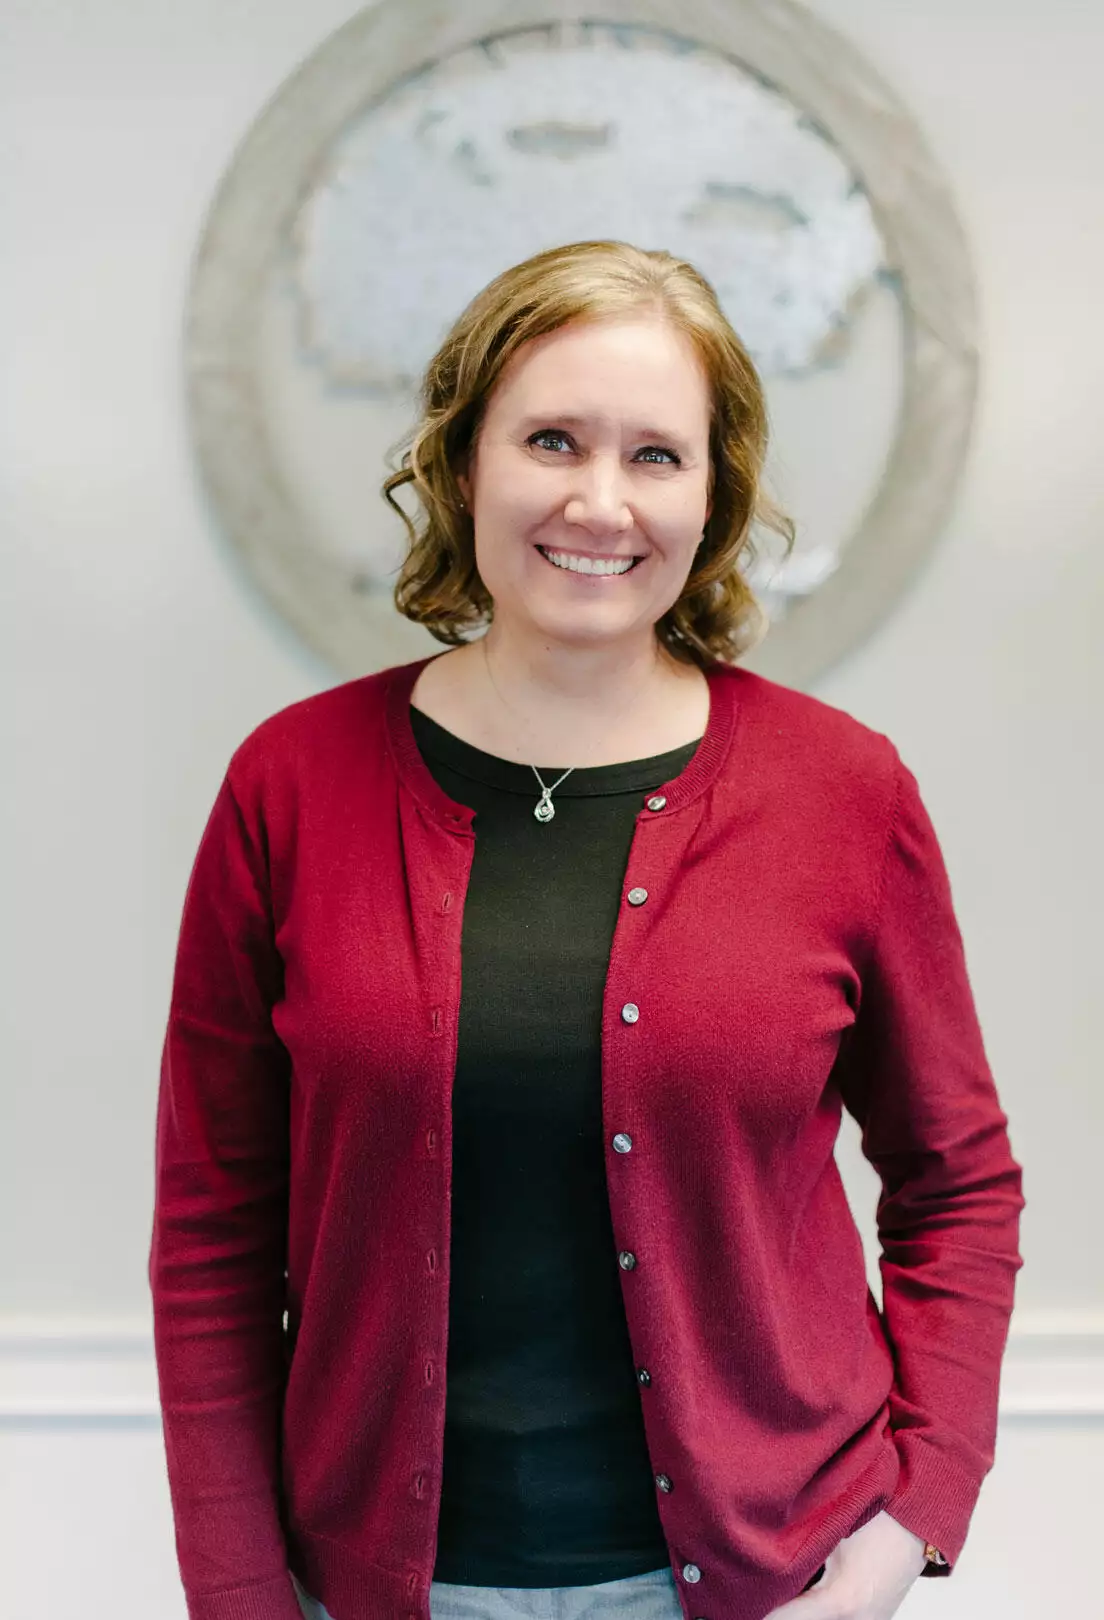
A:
x: 217, y: 1255
x: 917, y: 1081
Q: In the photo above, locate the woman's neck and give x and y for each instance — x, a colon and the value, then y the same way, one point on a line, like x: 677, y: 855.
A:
x: 530, y: 710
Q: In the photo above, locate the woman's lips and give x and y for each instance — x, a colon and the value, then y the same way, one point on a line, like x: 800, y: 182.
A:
x: 588, y: 579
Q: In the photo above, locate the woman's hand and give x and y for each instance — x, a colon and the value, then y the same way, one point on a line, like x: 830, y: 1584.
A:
x: 865, y: 1578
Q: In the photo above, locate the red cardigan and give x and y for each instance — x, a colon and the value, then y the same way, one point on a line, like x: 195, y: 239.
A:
x: 798, y: 953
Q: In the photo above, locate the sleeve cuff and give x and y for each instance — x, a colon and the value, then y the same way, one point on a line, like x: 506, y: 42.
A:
x: 935, y: 1500
x: 273, y: 1599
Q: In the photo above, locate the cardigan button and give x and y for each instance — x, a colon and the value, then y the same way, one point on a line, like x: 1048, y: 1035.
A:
x: 637, y: 897
x: 626, y: 1260
x: 656, y: 802
x: 643, y: 1376
x: 664, y: 1482
x: 630, y: 1012
x: 622, y: 1142
x: 691, y: 1573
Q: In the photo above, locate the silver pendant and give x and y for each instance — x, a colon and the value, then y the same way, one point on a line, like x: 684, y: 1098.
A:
x: 545, y: 810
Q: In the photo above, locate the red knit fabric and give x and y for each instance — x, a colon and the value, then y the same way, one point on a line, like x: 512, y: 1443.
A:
x: 798, y: 953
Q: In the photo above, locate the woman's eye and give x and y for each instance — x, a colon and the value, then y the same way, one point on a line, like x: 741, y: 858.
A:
x: 647, y: 450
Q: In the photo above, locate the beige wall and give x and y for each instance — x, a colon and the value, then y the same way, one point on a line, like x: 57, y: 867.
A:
x: 138, y: 656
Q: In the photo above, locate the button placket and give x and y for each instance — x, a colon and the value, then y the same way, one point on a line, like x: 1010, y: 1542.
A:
x: 622, y: 1143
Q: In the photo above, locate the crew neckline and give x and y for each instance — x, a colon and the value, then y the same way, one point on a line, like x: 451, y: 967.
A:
x: 437, y: 742
x: 707, y: 754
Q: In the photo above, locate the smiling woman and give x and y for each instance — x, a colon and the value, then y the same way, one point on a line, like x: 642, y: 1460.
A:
x: 524, y: 1110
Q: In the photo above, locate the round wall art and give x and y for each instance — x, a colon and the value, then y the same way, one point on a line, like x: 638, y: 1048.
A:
x: 426, y: 146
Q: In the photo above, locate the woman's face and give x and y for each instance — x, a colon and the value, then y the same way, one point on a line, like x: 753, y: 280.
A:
x: 593, y: 445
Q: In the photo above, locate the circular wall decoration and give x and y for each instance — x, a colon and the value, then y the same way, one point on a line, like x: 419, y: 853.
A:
x: 422, y: 149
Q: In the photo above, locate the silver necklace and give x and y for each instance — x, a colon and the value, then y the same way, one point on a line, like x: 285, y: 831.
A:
x: 544, y: 809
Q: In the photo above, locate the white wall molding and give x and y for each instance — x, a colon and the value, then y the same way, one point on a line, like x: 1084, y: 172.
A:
x: 1054, y: 1365
x: 76, y: 1369
x: 56, y: 1369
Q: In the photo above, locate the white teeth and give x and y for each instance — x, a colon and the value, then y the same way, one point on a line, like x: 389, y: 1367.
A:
x: 588, y: 565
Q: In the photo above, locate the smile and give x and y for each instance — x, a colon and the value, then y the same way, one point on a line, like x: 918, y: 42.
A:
x: 590, y: 567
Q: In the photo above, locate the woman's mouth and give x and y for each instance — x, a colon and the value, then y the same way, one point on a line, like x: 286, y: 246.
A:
x: 593, y: 570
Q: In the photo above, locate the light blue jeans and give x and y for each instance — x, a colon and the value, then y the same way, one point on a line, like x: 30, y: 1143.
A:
x: 638, y: 1597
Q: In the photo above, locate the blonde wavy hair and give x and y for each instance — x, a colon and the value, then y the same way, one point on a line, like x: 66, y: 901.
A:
x: 716, y: 617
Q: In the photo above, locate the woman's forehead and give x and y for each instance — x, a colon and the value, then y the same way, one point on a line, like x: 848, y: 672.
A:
x: 632, y: 373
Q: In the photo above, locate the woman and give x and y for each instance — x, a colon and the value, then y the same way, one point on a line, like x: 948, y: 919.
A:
x: 518, y: 994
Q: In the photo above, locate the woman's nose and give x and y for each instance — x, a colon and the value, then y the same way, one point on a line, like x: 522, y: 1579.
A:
x: 598, y: 499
